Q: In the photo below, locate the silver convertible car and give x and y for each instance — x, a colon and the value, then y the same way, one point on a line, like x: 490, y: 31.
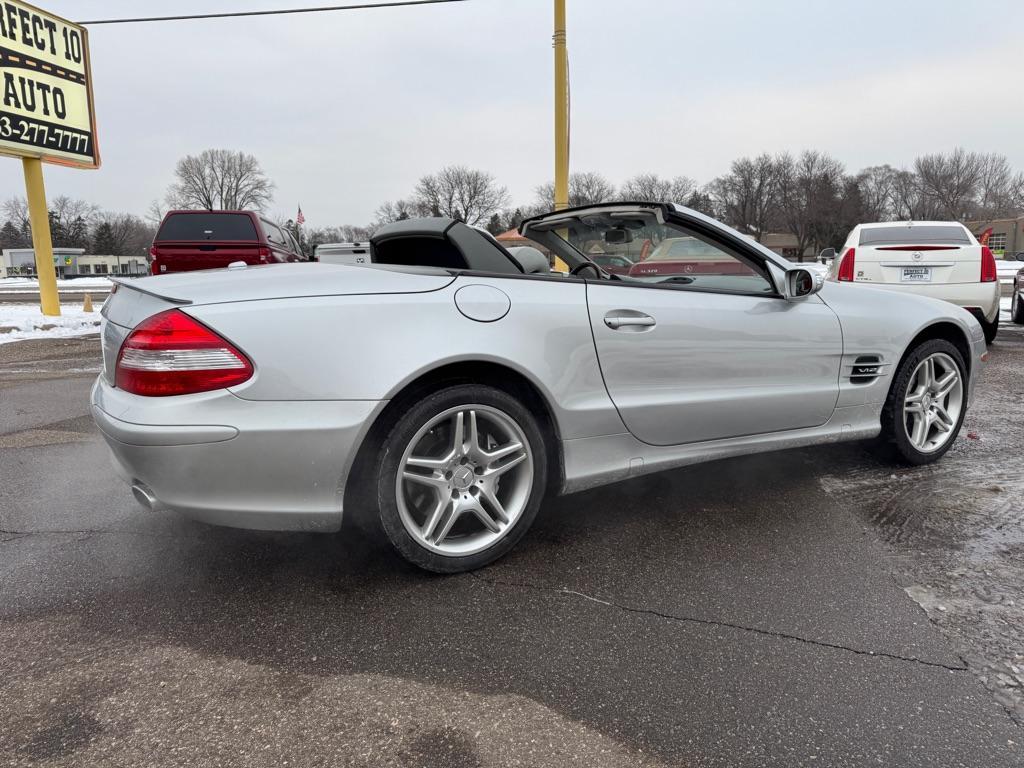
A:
x: 438, y: 394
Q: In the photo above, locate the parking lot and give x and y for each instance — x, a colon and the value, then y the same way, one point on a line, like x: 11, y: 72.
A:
x: 811, y: 607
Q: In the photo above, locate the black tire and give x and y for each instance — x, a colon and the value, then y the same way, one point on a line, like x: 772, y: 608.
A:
x: 990, y: 329
x: 398, y: 439
x: 893, y: 438
x: 1016, y: 308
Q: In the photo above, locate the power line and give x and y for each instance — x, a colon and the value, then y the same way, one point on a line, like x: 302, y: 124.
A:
x: 278, y: 12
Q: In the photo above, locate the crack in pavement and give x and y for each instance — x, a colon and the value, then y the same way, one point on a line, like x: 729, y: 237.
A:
x: 85, y: 531
x: 714, y: 623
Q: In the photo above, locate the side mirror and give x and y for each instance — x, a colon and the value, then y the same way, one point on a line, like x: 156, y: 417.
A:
x: 827, y: 255
x: 801, y: 283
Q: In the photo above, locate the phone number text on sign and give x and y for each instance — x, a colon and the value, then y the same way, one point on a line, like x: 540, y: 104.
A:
x: 40, y: 134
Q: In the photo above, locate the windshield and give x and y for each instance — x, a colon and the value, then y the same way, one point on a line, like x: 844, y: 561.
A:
x: 664, y: 253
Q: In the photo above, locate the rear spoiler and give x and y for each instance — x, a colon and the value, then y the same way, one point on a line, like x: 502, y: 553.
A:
x: 164, y: 297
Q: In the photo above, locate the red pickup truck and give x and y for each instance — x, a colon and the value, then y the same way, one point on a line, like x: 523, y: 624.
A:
x: 189, y: 240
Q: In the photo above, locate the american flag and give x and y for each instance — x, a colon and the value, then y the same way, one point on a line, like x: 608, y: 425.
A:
x: 300, y: 219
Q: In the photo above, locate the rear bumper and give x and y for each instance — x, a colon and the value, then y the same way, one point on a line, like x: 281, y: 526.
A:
x: 267, y: 465
x: 983, y: 297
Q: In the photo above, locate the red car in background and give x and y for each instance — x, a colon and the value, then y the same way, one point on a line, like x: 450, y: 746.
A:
x: 189, y: 240
x: 612, y: 263
x: 688, y: 255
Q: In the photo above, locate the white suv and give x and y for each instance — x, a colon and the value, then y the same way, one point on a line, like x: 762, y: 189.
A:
x: 932, y: 258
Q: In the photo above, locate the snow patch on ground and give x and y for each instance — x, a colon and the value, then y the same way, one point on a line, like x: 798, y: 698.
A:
x: 25, y: 321
x: 1007, y: 269
x: 31, y: 285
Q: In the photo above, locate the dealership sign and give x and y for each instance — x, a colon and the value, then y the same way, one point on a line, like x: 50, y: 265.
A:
x: 47, y: 106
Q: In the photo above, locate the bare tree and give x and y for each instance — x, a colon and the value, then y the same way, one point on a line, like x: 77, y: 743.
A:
x: 16, y: 211
x: 811, y: 192
x: 875, y: 186
x: 910, y: 201
x: 66, y: 209
x: 353, y: 233
x: 461, y: 193
x: 747, y: 196
x: 702, y: 200
x: 397, y: 210
x: 585, y: 188
x: 1000, y: 191
x: 651, y: 187
x: 70, y: 219
x: 124, y: 234
x: 155, y: 213
x: 951, y: 180
x: 346, y: 233
x: 220, y: 179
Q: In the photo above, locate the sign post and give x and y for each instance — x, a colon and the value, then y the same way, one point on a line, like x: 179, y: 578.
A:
x: 39, y: 218
x: 46, y: 114
x: 561, y: 109
x: 561, y: 120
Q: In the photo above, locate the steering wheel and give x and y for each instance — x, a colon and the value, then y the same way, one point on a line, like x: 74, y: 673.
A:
x: 580, y: 268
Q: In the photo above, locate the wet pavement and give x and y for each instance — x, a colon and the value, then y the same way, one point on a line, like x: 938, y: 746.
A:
x: 803, y: 608
x: 956, y: 528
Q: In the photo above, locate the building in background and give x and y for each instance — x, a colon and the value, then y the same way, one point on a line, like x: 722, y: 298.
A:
x: 91, y: 264
x: 785, y: 244
x: 1007, y: 236
x: 70, y: 263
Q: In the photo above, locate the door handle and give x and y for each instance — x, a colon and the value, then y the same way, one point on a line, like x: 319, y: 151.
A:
x: 628, y: 318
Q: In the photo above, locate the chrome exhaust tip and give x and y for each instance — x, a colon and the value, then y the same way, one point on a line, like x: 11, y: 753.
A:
x: 145, y: 497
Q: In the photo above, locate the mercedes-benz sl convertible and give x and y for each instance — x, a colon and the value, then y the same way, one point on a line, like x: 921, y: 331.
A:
x: 441, y: 392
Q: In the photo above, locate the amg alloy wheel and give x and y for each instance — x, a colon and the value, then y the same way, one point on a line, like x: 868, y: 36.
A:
x: 461, y: 478
x: 927, y: 402
x: 932, y: 405
x: 465, y: 479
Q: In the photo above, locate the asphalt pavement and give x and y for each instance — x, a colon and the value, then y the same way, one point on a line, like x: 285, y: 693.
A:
x: 743, y: 612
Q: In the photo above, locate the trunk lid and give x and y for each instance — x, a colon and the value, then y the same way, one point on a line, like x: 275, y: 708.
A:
x: 132, y: 301
x: 924, y: 254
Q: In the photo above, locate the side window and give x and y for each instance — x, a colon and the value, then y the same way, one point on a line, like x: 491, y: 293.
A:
x: 273, y: 233
x: 690, y: 261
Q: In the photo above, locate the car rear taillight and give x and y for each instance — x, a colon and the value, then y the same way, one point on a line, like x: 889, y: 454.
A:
x: 172, y: 354
x: 152, y: 260
x: 846, y: 266
x: 988, y: 265
x: 264, y: 254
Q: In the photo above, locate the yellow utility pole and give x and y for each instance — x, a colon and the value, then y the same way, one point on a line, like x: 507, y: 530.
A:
x: 38, y: 216
x: 561, y: 109
x: 561, y: 119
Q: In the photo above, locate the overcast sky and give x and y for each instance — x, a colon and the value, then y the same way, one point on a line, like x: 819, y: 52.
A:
x: 348, y: 109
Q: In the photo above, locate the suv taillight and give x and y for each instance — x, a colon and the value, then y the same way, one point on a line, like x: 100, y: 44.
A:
x: 264, y: 254
x: 846, y: 266
x: 988, y: 265
x: 172, y: 354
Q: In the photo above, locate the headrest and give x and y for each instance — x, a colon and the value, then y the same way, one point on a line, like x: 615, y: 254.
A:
x: 531, y: 260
